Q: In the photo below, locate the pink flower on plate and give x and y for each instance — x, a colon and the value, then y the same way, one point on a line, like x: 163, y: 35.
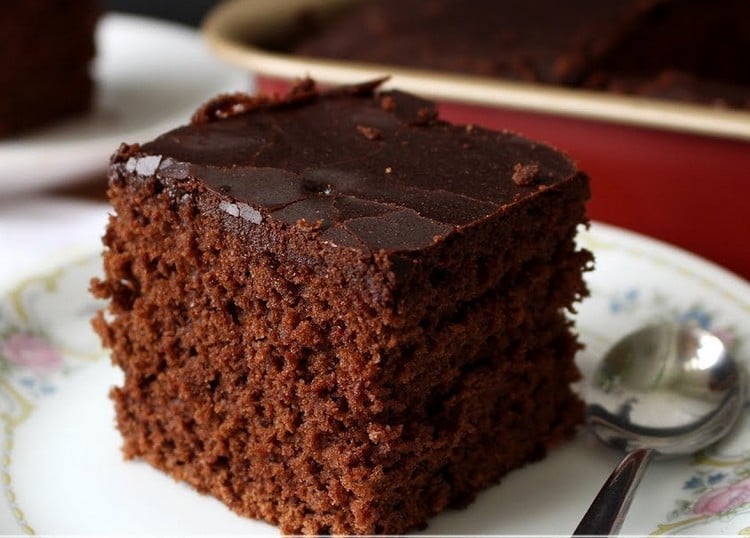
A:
x: 723, y: 499
x: 29, y: 351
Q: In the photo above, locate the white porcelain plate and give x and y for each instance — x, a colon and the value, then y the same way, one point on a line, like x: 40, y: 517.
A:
x: 150, y: 77
x: 61, y: 470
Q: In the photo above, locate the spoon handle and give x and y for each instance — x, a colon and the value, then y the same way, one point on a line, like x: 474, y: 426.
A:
x: 606, y: 514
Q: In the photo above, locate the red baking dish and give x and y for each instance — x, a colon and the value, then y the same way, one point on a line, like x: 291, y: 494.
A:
x: 677, y: 172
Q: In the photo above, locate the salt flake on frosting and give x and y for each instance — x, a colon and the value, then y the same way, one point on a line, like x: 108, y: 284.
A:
x: 242, y: 211
x: 143, y: 166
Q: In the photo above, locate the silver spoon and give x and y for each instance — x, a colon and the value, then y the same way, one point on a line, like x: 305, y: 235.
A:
x: 663, y: 390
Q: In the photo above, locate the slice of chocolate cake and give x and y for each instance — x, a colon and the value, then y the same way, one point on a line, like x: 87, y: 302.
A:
x: 47, y: 46
x: 338, y: 313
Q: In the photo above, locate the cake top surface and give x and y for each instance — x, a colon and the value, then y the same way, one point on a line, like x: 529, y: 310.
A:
x: 366, y: 169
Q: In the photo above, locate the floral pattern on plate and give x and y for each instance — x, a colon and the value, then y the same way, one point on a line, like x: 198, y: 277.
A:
x: 716, y: 486
x: 45, y: 337
x: 719, y: 485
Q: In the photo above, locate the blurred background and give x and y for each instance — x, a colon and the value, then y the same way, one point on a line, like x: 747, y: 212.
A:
x: 184, y: 11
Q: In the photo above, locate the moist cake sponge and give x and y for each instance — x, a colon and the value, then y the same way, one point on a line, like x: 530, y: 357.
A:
x: 336, y: 312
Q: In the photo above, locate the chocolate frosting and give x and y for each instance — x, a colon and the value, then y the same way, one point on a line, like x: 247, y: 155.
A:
x: 368, y: 170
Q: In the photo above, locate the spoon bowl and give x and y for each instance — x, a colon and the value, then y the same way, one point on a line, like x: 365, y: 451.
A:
x: 664, y: 390
x: 672, y: 388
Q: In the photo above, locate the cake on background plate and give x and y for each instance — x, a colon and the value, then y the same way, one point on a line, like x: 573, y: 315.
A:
x: 46, y: 47
x: 336, y: 312
x: 687, y: 50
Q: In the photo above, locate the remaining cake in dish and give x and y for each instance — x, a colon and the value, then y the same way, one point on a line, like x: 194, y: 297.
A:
x: 534, y: 40
x: 679, y: 49
x: 46, y: 46
x: 338, y: 313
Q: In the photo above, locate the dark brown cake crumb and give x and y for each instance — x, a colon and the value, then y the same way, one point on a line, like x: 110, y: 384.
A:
x: 525, y: 174
x: 227, y: 105
x: 370, y: 133
x: 124, y: 152
x: 425, y: 115
x: 387, y: 103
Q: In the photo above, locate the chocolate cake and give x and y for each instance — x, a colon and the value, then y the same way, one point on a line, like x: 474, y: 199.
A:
x: 49, y: 44
x: 533, y: 40
x: 338, y: 313
x: 633, y: 46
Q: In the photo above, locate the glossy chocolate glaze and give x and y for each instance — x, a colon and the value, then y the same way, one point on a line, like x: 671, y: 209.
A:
x: 376, y: 171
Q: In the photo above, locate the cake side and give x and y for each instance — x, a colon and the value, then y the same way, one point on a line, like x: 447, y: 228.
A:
x: 329, y: 383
